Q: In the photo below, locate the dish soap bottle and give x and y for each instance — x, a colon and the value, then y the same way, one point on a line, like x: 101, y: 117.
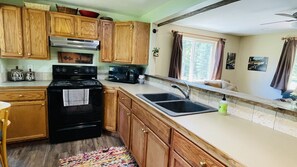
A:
x: 223, y: 106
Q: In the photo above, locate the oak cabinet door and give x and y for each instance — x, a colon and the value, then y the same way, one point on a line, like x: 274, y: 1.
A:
x: 123, y: 35
x: 86, y: 28
x: 110, y: 109
x: 177, y: 161
x: 62, y: 25
x: 28, y: 121
x: 11, y: 39
x: 138, y: 140
x: 106, y: 36
x: 35, y: 34
x: 124, y: 123
x: 157, y: 152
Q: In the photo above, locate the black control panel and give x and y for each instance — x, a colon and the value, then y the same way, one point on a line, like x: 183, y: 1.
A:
x: 70, y: 71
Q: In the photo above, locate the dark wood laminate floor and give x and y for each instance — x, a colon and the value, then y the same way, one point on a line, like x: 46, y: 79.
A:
x: 44, y: 154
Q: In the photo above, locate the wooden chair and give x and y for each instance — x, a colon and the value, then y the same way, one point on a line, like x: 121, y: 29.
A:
x: 4, y: 122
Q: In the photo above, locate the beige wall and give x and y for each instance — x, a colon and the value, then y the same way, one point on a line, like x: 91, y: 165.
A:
x: 254, y: 82
x: 160, y: 65
x: 251, y: 82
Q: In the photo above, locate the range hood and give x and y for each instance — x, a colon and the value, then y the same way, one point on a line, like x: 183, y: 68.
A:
x: 74, y: 43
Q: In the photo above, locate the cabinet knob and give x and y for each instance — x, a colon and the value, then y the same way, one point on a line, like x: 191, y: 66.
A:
x: 20, y: 53
x: 122, y: 98
x: 21, y: 95
x: 104, y: 92
x: 128, y: 114
x: 29, y: 54
x: 43, y: 104
x: 202, y: 164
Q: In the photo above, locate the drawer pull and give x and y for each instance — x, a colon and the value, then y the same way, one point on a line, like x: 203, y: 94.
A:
x: 122, y: 98
x: 21, y: 95
x: 43, y: 104
x: 20, y: 53
x: 128, y: 114
x: 202, y: 164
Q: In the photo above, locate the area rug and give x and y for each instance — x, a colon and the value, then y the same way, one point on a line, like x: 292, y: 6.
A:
x: 111, y: 157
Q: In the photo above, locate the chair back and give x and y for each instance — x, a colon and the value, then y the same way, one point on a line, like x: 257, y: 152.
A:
x: 4, y: 111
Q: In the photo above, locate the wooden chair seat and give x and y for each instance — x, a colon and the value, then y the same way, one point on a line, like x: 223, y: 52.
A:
x: 4, y: 122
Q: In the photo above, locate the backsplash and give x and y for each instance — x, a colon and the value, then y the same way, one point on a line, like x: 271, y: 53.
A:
x: 274, y: 118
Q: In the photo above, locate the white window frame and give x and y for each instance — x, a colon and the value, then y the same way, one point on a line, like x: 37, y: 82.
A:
x: 212, y: 59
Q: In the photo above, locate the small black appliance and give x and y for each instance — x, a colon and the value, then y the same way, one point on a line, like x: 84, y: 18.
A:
x: 125, y: 74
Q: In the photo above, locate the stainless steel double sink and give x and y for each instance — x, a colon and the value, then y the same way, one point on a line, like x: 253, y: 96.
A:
x: 175, y: 105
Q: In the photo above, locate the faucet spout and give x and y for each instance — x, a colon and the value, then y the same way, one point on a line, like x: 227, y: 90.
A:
x: 186, y: 93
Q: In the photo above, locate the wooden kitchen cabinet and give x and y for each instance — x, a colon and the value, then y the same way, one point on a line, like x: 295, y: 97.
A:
x: 178, y: 161
x: 146, y: 146
x: 11, y: 38
x: 124, y: 123
x: 86, y: 28
x: 35, y: 34
x: 67, y: 25
x: 62, y: 24
x: 106, y: 37
x: 28, y: 114
x: 191, y: 153
x: 23, y: 37
x: 131, y: 42
x: 110, y: 109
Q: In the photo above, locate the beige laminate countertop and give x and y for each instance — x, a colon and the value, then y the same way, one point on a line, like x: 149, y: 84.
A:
x: 248, y: 143
x: 9, y: 84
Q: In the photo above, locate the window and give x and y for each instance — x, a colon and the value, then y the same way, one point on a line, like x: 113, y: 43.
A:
x: 197, y: 59
x: 293, y: 76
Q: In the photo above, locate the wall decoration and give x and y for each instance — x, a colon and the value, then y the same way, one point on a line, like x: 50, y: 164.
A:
x: 258, y: 63
x: 78, y: 58
x: 156, y: 51
x: 230, y: 63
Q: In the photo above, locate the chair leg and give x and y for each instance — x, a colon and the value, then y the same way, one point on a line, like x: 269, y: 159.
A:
x: 1, y: 156
x: 4, y: 151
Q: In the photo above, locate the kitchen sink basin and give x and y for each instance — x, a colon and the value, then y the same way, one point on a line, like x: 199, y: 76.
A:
x: 175, y: 105
x: 161, y: 97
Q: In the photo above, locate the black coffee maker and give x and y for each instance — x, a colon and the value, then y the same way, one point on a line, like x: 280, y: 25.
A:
x: 125, y: 74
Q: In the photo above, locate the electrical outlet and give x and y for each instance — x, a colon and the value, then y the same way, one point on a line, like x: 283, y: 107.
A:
x: 30, y: 66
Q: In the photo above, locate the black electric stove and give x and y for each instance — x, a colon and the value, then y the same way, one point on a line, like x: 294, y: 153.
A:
x: 83, y: 117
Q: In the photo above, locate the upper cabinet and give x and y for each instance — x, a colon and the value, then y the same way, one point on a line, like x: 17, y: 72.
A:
x: 23, y: 37
x: 67, y: 25
x: 11, y: 38
x: 131, y: 42
x: 106, y: 36
x: 35, y: 34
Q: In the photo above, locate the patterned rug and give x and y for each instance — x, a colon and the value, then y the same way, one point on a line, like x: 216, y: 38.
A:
x: 111, y: 157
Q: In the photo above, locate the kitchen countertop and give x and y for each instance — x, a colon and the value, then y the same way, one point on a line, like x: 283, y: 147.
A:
x: 248, y: 143
x: 10, y: 84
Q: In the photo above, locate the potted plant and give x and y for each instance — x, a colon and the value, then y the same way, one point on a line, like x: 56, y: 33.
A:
x: 156, y: 52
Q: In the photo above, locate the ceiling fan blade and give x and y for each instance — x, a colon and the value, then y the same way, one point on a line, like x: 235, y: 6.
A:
x: 284, y: 14
x: 284, y: 21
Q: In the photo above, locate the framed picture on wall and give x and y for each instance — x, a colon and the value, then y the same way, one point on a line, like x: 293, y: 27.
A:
x: 77, y: 58
x: 230, y: 63
x: 258, y: 63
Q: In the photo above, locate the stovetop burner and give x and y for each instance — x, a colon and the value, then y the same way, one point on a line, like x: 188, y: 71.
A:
x: 75, y: 83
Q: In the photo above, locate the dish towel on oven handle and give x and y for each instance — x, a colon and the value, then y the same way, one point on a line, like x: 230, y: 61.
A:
x: 75, y: 97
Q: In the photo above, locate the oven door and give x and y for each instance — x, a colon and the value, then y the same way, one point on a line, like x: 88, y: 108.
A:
x: 61, y: 116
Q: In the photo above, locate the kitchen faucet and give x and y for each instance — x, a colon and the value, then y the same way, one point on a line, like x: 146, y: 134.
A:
x: 185, y: 92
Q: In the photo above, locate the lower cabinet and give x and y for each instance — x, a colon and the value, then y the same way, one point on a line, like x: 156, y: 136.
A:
x: 190, y: 153
x: 27, y: 121
x: 110, y: 109
x: 148, y: 149
x: 177, y: 161
x: 28, y: 113
x: 124, y: 123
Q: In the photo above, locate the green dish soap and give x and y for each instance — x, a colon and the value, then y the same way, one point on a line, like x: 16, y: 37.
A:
x: 223, y: 106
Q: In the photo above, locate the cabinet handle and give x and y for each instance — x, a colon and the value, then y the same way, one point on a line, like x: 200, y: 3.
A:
x: 131, y: 27
x: 21, y: 95
x: 202, y: 164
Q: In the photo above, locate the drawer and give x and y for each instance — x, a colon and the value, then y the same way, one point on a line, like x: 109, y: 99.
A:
x: 193, y: 154
x: 124, y: 99
x: 157, y: 126
x: 22, y: 95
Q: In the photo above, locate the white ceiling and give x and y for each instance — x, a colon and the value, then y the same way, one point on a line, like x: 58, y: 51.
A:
x: 128, y: 7
x: 245, y: 17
